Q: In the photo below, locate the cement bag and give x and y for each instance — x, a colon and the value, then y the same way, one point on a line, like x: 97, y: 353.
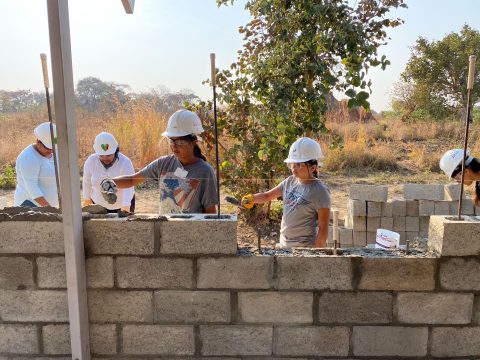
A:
x: 387, y: 239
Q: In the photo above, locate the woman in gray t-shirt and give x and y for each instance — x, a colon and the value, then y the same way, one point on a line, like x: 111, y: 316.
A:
x: 306, y: 201
x: 187, y: 182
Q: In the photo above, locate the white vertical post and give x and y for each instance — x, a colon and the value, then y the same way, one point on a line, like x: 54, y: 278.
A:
x: 62, y: 75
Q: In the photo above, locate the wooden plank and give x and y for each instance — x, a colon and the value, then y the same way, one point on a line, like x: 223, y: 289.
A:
x: 61, y: 55
x: 128, y: 5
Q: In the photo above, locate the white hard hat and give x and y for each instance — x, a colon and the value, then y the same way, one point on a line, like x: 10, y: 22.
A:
x: 105, y: 144
x: 451, y: 159
x: 183, y: 122
x: 304, y: 149
x: 42, y: 133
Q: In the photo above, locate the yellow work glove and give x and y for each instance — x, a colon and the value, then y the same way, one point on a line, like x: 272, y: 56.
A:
x: 247, y: 201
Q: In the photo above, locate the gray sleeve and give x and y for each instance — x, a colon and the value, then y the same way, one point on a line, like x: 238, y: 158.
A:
x: 209, y: 196
x: 152, y: 170
x: 323, y: 198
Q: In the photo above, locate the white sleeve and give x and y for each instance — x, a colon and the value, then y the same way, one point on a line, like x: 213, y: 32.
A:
x: 30, y: 170
x: 87, y: 179
x: 128, y: 192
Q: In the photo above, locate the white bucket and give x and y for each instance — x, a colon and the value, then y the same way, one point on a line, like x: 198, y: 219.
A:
x: 387, y: 239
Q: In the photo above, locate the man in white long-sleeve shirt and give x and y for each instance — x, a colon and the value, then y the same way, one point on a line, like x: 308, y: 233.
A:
x: 36, y: 185
x: 107, y: 162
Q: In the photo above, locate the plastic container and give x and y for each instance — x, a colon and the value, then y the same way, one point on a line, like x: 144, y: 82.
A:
x: 387, y: 239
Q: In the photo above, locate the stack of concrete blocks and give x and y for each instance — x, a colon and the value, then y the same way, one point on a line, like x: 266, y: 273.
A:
x: 178, y: 289
x: 369, y: 210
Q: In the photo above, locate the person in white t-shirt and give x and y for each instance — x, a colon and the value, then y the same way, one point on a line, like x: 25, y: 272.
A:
x: 36, y: 184
x: 107, y: 162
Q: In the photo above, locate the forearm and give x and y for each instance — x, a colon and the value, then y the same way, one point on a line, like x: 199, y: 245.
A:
x: 127, y: 181
x: 321, y: 240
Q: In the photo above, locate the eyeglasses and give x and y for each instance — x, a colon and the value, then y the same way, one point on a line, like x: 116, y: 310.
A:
x: 292, y: 166
x: 178, y: 142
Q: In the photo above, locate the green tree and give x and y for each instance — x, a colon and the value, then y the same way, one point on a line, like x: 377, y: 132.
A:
x: 94, y: 95
x: 439, y: 71
x: 295, y: 53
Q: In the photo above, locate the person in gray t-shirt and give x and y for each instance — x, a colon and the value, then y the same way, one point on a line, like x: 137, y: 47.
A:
x: 186, y: 181
x: 306, y: 201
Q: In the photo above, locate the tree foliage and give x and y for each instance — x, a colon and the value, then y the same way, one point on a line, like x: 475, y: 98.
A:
x: 295, y: 53
x: 95, y: 95
x: 439, y: 70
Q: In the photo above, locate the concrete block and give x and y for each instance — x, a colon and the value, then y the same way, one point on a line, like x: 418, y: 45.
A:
x: 118, y: 236
x: 390, y: 341
x: 424, y: 223
x: 359, y: 223
x: 16, y: 273
x: 371, y: 237
x: 373, y: 223
x: 439, y: 308
x: 99, y: 272
x: 378, y: 193
x: 103, y: 339
x: 345, y: 236
x: 455, y: 341
x: 426, y: 207
x: 236, y: 340
x: 452, y: 192
x: 399, y: 223
x: 453, y: 208
x: 460, y: 274
x: 412, y: 207
x: 33, y: 305
x: 18, y: 339
x: 355, y: 308
x: 387, y: 209
x: 403, y: 237
x: 211, y: 236
x: 476, y: 310
x: 120, y: 306
x: 356, y: 207
x: 412, y: 223
x: 468, y: 207
x: 442, y: 207
x: 330, y: 235
x: 243, y: 272
x: 399, y: 208
x: 157, y: 273
x: 31, y: 237
x: 158, y: 340
x: 56, y: 339
x: 192, y: 307
x: 423, y: 191
x: 51, y: 272
x: 415, y: 274
x: 314, y: 273
x: 275, y: 307
x: 386, y: 223
x: 311, y: 341
x: 453, y: 237
x: 359, y: 238
x: 374, y: 209
x: 411, y: 235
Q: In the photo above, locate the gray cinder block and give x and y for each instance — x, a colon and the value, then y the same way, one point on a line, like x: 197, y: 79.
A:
x: 454, y: 238
x: 103, y: 339
x: 236, y: 340
x: 386, y: 223
x: 16, y: 272
x: 374, y: 209
x: 120, y: 306
x: 158, y: 340
x: 371, y: 237
x: 56, y: 339
x: 460, y: 274
x: 377, y: 193
x: 31, y: 237
x: 399, y: 208
x: 399, y: 223
x: 452, y: 192
x: 442, y: 207
x: 345, y: 236
x: 359, y: 223
x: 412, y: 207
x: 359, y: 238
x: 439, y: 308
x: 357, y: 207
x: 468, y: 208
x: 455, y: 341
x: 390, y: 341
x: 373, y: 223
x: 51, y: 272
x: 426, y: 207
x: 387, y: 209
x: 423, y: 191
x: 18, y: 339
x: 412, y: 223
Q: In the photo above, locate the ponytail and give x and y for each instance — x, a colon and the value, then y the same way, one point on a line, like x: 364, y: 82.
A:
x: 198, y: 153
x: 476, y: 194
x: 313, y: 162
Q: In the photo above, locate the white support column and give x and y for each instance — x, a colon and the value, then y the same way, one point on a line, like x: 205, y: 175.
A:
x: 128, y: 5
x: 62, y: 75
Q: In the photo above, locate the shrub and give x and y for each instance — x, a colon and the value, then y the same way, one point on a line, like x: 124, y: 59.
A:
x: 7, y: 177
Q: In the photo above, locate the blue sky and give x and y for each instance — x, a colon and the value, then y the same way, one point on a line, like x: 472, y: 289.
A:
x: 168, y: 42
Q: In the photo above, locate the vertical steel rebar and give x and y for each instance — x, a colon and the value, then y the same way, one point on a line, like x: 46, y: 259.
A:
x: 46, y: 82
x: 471, y: 77
x: 214, y: 86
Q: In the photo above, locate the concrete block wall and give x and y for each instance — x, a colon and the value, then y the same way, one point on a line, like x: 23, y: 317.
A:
x: 145, y: 303
x: 368, y: 210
